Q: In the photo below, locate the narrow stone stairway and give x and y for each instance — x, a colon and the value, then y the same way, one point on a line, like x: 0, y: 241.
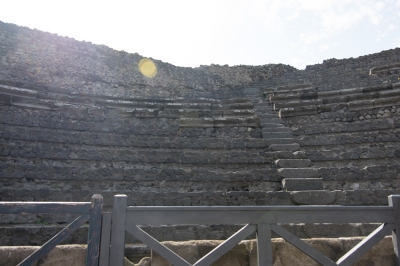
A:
x: 304, y: 183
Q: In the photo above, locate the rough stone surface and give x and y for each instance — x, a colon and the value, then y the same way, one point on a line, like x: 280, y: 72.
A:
x: 86, y: 67
x: 290, y: 155
x: 298, y: 173
x: 61, y: 255
x: 284, y: 147
x: 313, y: 197
x: 78, y: 119
x: 284, y: 254
x: 296, y: 184
x: 292, y: 163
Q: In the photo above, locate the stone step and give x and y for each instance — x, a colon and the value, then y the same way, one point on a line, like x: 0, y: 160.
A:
x: 298, y: 173
x: 312, y: 197
x: 273, y: 125
x: 219, y: 122
x: 24, y: 149
x: 263, y: 108
x: 131, y: 140
x: 281, y: 141
x: 277, y: 135
x: 163, y: 198
x: 276, y: 129
x: 284, y: 147
x: 300, y: 184
x: 259, y: 113
x: 290, y: 155
x: 275, y: 120
x: 261, y: 104
x: 165, y: 182
x: 267, y: 116
x: 292, y: 163
x: 15, y: 171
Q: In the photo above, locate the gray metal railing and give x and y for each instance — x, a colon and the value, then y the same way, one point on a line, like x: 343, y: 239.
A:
x: 90, y: 211
x: 260, y: 219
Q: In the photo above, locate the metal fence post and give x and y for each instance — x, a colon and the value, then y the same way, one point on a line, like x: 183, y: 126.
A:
x: 264, y: 245
x: 118, y: 230
x: 105, y: 239
x: 394, y: 201
x: 92, y: 253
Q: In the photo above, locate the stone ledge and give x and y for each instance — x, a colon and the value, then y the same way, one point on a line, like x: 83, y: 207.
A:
x: 284, y: 254
x: 377, y: 69
x: 312, y: 197
x: 300, y: 184
x: 298, y: 173
x: 245, y: 253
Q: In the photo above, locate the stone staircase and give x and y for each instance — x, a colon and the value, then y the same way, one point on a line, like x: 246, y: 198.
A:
x: 350, y: 135
x: 291, y: 163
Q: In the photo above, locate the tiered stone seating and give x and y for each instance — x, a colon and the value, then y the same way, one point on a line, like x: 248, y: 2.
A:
x: 58, y: 146
x: 291, y: 163
x: 350, y: 135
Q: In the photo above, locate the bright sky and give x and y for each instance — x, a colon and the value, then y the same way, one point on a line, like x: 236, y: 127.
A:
x: 203, y: 32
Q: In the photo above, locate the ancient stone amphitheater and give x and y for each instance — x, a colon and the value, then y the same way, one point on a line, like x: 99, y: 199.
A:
x: 79, y: 119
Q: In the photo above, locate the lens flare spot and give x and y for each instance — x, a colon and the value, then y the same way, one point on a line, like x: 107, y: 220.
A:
x: 147, y: 68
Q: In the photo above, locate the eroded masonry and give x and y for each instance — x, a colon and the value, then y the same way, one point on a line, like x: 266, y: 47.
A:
x: 79, y: 119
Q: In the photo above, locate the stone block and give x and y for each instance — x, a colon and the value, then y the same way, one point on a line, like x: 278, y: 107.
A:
x: 377, y: 88
x: 196, y: 122
x: 275, y: 120
x: 267, y: 116
x: 292, y: 163
x: 5, y: 98
x: 384, y: 102
x: 281, y: 141
x: 391, y: 93
x: 277, y: 135
x: 283, y: 104
x: 312, y: 197
x: 361, y: 105
x: 18, y: 91
x: 396, y: 85
x: 351, y: 91
x: 284, y: 147
x: 276, y: 129
x: 364, y: 96
x: 338, y: 99
x: 311, y: 102
x: 271, y: 125
x: 298, y: 173
x: 309, y: 95
x: 284, y: 98
x: 66, y: 255
x: 298, y: 111
x: 283, y: 253
x: 290, y: 155
x: 300, y: 184
x: 327, y: 94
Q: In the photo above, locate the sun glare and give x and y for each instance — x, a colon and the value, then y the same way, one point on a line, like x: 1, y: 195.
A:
x: 147, y: 68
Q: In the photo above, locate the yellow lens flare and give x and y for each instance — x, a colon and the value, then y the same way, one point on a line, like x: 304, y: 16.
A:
x: 147, y: 68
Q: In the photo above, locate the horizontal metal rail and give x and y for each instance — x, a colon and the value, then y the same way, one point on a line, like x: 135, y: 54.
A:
x: 260, y: 219
x: 258, y: 215
x: 14, y: 207
x: 89, y: 211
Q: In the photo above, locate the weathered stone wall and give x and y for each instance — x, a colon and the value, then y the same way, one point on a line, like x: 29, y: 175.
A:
x: 351, y: 136
x: 60, y: 63
x: 244, y: 253
x: 78, y: 119
x: 335, y: 74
